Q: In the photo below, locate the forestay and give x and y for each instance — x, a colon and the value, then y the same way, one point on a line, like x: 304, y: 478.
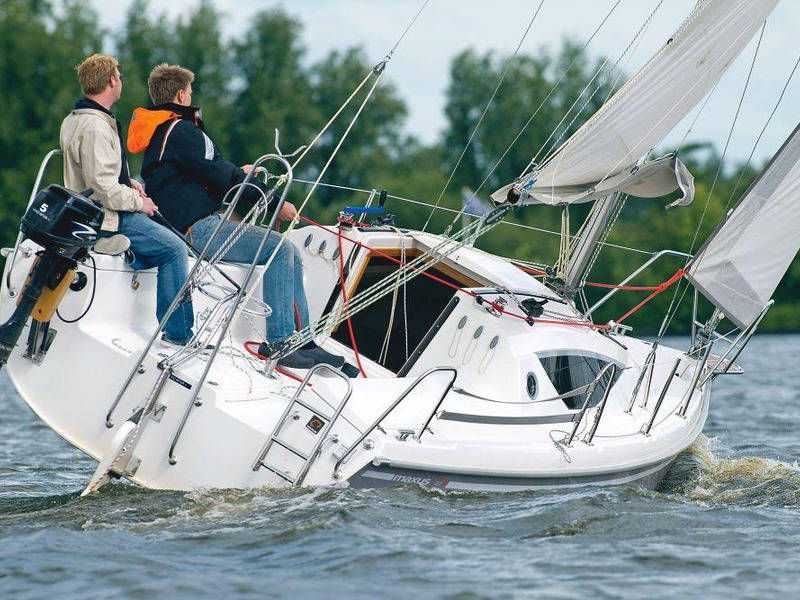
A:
x: 742, y: 263
x: 639, y: 116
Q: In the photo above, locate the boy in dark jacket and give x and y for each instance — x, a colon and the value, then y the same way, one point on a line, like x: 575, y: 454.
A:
x: 187, y: 177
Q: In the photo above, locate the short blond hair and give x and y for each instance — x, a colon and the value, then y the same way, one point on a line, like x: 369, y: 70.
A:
x: 167, y: 80
x: 95, y: 73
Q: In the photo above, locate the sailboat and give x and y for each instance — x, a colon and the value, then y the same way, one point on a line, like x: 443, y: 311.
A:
x: 475, y: 372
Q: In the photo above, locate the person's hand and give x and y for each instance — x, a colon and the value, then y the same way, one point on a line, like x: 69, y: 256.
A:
x: 246, y: 168
x: 148, y: 207
x: 138, y: 187
x: 288, y: 211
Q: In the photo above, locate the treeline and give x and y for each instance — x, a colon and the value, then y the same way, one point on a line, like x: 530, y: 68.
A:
x: 260, y: 80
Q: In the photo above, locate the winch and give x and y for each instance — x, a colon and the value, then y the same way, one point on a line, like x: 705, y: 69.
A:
x: 66, y: 225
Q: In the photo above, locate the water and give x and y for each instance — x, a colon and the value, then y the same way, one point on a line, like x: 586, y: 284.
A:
x: 725, y: 523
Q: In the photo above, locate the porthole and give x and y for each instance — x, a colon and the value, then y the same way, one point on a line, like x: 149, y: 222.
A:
x: 309, y: 239
x: 532, y: 386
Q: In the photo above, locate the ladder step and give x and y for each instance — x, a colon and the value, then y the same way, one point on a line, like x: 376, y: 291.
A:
x: 290, y: 448
x: 279, y: 473
x: 312, y: 409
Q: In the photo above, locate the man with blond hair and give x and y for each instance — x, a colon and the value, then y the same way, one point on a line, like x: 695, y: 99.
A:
x: 188, y: 177
x: 94, y: 157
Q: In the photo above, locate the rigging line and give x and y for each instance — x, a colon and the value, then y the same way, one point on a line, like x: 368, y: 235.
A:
x: 543, y: 102
x: 749, y: 159
x: 333, y: 118
x: 696, y: 117
x: 295, y: 220
x: 673, y: 306
x: 408, y: 27
x: 760, y: 135
x: 368, y: 301
x: 370, y: 73
x: 640, y: 34
x: 566, y: 72
x: 455, y: 210
x: 378, y: 289
x: 373, y: 293
x: 636, y: 40
x: 485, y: 110
x: 620, y: 162
x: 728, y: 140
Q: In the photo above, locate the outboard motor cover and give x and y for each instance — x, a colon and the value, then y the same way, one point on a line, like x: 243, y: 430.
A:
x: 62, y: 220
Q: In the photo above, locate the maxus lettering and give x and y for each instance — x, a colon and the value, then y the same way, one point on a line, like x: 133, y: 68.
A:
x: 440, y: 481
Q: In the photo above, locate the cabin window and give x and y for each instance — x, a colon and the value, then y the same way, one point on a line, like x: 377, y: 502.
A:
x: 569, y: 371
x: 425, y: 300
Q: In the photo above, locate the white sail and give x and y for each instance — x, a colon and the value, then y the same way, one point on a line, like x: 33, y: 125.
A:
x: 650, y: 104
x: 742, y: 263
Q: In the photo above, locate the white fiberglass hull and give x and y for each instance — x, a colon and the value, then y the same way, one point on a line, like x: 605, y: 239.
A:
x: 488, y: 433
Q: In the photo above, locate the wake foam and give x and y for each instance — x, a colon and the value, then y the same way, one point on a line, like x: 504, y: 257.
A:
x: 744, y: 481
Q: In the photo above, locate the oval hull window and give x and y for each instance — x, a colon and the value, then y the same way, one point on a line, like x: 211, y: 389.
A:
x: 531, y: 386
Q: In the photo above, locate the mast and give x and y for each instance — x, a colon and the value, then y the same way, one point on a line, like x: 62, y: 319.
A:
x: 593, y: 230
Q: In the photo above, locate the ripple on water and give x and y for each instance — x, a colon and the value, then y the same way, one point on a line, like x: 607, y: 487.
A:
x: 725, y: 521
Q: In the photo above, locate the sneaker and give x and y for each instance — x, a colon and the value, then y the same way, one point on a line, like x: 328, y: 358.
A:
x: 323, y: 356
x: 296, y: 360
x: 113, y: 245
x: 350, y: 370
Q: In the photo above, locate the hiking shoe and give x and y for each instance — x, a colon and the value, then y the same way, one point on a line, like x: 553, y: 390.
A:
x: 350, y: 370
x: 323, y: 356
x: 296, y: 360
x: 113, y: 245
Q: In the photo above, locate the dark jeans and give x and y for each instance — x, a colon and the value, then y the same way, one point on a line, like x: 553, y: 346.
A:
x: 282, y: 282
x: 154, y: 245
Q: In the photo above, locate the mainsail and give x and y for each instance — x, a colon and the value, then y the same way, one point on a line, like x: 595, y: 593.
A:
x: 742, y: 263
x: 638, y: 117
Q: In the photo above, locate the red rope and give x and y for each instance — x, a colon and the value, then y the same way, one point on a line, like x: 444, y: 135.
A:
x: 678, y: 274
x: 609, y: 286
x: 447, y: 283
x: 262, y: 357
x: 344, y: 301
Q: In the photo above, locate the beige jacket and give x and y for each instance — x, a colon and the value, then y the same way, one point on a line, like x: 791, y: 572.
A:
x: 92, y: 159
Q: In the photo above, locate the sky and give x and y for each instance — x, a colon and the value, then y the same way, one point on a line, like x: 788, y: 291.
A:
x: 419, y: 69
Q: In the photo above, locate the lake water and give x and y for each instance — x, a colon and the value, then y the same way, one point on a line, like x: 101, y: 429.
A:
x: 724, y: 524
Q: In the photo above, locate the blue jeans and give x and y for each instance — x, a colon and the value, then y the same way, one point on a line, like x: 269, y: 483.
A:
x: 283, y: 280
x: 154, y: 245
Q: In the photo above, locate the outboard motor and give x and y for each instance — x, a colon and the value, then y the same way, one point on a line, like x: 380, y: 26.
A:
x: 66, y: 224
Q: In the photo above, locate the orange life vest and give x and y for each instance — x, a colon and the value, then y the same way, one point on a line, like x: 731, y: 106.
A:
x: 143, y: 125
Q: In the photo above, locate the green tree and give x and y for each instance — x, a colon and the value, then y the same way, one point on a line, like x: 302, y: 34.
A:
x: 374, y: 142
x: 39, y: 47
x: 198, y: 46
x: 273, y: 88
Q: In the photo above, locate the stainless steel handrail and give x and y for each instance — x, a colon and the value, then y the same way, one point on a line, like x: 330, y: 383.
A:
x: 747, y: 333
x: 661, y: 396
x: 245, y: 284
x: 647, y: 370
x: 701, y: 363
x: 394, y: 405
x: 630, y: 277
x: 593, y: 386
x: 600, y: 408
x: 37, y: 183
x: 192, y: 272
